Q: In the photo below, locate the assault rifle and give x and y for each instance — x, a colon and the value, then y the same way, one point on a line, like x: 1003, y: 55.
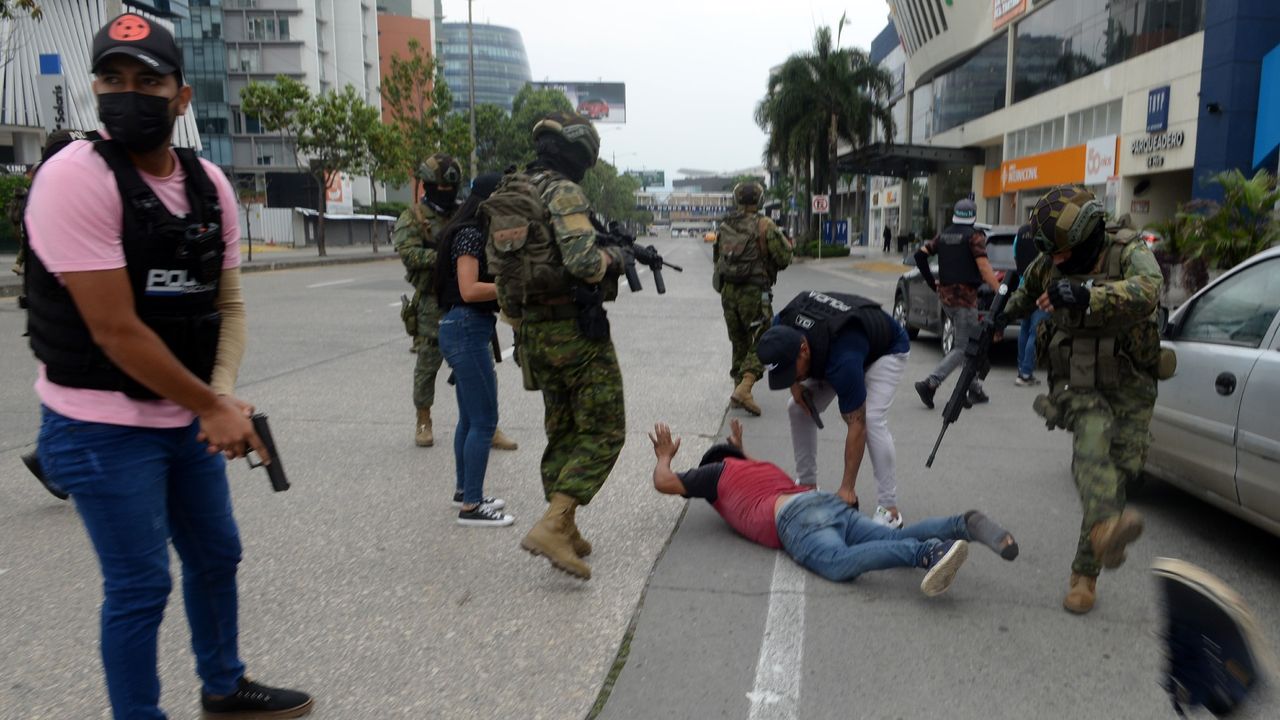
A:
x: 613, y: 236
x: 977, y: 359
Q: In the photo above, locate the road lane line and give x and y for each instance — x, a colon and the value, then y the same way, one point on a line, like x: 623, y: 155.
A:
x: 395, y: 304
x: 331, y: 282
x: 776, y: 694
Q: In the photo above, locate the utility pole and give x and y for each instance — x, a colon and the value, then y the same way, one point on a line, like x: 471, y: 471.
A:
x: 471, y: 87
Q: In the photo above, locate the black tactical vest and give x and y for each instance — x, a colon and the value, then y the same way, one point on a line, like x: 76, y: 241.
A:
x: 956, y: 265
x: 823, y: 316
x: 174, y: 267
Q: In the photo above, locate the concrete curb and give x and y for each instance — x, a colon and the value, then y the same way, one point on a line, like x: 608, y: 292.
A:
x: 12, y: 287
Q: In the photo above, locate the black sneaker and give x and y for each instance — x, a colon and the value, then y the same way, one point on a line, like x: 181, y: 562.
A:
x: 252, y: 700
x: 32, y: 461
x: 495, y: 503
x: 977, y: 397
x: 926, y: 391
x: 484, y: 516
x: 942, y: 561
x: 1214, y: 651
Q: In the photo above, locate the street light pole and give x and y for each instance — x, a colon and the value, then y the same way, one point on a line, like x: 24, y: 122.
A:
x: 471, y: 87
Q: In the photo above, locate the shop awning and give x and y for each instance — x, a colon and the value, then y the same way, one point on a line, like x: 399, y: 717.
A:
x: 907, y: 161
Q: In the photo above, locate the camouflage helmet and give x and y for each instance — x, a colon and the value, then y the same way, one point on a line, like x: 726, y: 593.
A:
x: 1065, y: 217
x: 573, y: 130
x: 748, y: 193
x: 439, y: 169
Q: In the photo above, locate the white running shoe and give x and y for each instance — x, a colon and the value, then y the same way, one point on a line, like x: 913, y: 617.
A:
x: 886, y: 518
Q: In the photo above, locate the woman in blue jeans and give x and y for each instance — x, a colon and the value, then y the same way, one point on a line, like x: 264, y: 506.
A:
x: 468, y: 296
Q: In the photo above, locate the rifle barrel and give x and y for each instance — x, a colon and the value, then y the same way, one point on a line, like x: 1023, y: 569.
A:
x: 936, y: 445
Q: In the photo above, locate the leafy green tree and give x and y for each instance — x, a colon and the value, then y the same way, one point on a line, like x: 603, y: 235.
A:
x: 337, y: 130
x: 418, y: 101
x: 1245, y: 223
x: 279, y: 107
x: 821, y: 97
x: 386, y: 161
x: 10, y: 9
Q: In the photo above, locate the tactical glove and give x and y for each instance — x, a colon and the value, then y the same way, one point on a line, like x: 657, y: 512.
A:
x: 1068, y: 294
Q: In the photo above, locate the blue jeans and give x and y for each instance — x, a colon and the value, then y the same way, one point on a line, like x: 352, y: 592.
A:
x: 822, y: 533
x: 1027, y: 343
x: 464, y: 342
x: 136, y: 489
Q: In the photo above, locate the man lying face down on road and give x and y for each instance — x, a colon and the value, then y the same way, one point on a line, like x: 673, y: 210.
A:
x: 818, y: 529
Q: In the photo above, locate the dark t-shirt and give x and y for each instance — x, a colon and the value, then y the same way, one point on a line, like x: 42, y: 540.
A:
x: 847, y: 365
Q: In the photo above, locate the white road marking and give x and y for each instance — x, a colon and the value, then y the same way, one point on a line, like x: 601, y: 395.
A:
x: 394, y: 304
x: 776, y: 694
x: 331, y: 282
x: 506, y: 354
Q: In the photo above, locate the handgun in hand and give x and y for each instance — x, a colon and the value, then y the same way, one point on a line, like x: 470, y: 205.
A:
x: 275, y: 467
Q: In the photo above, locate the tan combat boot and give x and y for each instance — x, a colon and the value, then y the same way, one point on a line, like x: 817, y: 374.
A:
x: 741, y: 396
x: 550, y: 537
x: 581, y: 545
x: 424, y: 437
x: 502, y: 442
x: 1083, y: 593
x: 1110, y: 537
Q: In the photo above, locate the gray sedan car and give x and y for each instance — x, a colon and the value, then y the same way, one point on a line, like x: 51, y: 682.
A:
x: 1216, y: 430
x: 915, y: 304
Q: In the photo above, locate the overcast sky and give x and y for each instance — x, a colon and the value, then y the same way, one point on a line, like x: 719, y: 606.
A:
x: 694, y: 69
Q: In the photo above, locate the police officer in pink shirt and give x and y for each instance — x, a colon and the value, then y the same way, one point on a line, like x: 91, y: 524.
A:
x: 137, y: 319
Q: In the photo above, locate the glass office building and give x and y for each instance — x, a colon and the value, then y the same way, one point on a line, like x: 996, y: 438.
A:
x: 204, y: 51
x: 501, y: 65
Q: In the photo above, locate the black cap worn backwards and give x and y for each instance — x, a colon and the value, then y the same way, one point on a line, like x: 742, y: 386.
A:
x: 141, y: 39
x: 778, y: 349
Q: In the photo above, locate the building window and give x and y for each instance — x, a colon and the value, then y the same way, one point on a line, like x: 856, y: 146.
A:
x: 974, y: 88
x: 1065, y: 40
x: 243, y: 59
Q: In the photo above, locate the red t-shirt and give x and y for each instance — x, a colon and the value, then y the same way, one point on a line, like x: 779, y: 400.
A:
x: 745, y: 493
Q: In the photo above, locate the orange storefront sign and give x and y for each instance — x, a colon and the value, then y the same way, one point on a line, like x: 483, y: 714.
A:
x: 1045, y: 170
x: 991, y: 184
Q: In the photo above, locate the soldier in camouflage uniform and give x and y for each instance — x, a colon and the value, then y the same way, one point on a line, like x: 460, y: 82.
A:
x: 415, y: 235
x: 748, y: 253
x: 552, y: 278
x: 1101, y: 347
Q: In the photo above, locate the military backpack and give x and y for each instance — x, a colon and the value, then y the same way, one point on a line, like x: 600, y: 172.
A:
x: 520, y: 245
x: 742, y: 254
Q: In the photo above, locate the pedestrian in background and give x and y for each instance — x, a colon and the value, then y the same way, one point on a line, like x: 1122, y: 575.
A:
x: 466, y: 294
x: 749, y: 252
x: 137, y: 318
x: 888, y: 238
x: 1024, y: 253
x: 963, y: 268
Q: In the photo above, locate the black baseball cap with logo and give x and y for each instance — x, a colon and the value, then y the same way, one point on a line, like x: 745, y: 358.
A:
x: 146, y: 41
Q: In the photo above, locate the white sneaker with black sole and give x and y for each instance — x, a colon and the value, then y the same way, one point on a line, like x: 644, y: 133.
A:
x: 886, y: 518
x: 493, y: 502
x: 484, y: 516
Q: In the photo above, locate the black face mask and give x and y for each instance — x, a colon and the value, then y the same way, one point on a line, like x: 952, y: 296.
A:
x: 140, y: 122
x: 443, y: 199
x: 1085, y: 255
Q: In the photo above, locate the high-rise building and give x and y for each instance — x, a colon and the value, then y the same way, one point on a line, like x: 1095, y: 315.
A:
x: 501, y: 65
x: 324, y: 44
x: 204, y: 61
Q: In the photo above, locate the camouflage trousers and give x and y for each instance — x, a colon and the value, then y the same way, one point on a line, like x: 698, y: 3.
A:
x: 747, y: 314
x: 584, y: 417
x: 1112, y: 431
x: 429, y: 357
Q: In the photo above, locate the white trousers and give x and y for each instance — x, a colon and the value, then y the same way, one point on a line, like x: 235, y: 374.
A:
x: 882, y: 380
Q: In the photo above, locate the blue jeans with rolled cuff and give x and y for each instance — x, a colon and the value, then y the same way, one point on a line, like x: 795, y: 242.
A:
x: 824, y: 534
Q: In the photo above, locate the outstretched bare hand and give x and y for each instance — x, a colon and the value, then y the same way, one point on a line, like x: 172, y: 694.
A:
x: 663, y: 444
x: 735, y: 434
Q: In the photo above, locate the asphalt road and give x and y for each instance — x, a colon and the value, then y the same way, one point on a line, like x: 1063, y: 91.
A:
x: 729, y: 629
x: 357, y: 585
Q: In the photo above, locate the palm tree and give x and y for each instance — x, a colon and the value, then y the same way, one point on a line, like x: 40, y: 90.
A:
x: 821, y: 97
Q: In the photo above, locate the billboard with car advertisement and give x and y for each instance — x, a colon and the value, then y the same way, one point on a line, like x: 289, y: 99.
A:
x: 603, y: 102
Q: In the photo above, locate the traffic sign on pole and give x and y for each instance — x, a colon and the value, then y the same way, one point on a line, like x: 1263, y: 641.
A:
x: 821, y: 204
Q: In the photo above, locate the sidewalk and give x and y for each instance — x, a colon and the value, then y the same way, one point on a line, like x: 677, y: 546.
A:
x: 867, y: 259
x: 265, y: 257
